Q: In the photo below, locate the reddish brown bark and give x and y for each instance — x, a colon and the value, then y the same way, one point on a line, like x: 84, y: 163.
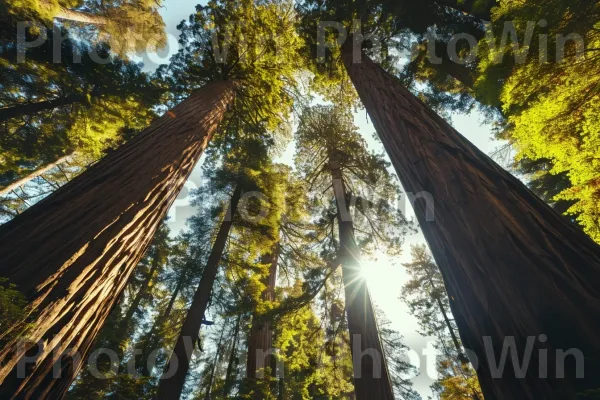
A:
x: 371, y: 377
x: 72, y: 253
x: 170, y: 388
x: 260, y: 340
x: 512, y: 266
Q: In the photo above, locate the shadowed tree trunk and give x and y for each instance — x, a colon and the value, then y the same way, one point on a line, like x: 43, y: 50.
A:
x: 72, y: 253
x: 170, y: 388
x: 233, y: 360
x: 153, y: 340
x: 34, y: 108
x: 157, y: 263
x: 371, y: 377
x: 455, y: 341
x: 463, y: 360
x: 213, y: 370
x: 512, y: 266
x: 260, y: 340
x: 38, y: 172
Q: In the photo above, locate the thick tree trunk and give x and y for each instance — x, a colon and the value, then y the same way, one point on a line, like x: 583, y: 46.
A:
x: 72, y: 253
x: 170, y: 388
x: 512, y: 266
x: 38, y: 172
x: 371, y: 377
x: 34, y: 108
x: 260, y: 341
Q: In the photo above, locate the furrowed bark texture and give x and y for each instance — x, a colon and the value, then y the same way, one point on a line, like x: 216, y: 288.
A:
x: 72, y: 253
x: 261, y: 334
x: 172, y: 382
x: 371, y: 377
x: 512, y: 266
x: 38, y: 172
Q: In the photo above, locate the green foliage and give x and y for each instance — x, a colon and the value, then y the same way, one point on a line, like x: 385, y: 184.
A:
x: 326, y: 137
x: 427, y: 300
x: 105, y: 104
x: 127, y: 26
x: 12, y: 307
x: 312, y: 373
x: 552, y: 107
x: 251, y: 43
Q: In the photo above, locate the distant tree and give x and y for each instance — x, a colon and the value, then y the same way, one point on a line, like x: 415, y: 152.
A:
x: 333, y: 159
x: 428, y: 301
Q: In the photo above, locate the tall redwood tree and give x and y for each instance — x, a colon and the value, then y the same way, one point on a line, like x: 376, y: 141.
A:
x: 371, y: 376
x: 513, y: 267
x: 72, y: 254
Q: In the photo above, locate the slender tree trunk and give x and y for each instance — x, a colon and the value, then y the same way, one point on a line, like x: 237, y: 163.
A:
x: 229, y: 380
x: 462, y: 358
x: 38, y: 172
x: 142, y: 292
x: 455, y: 341
x: 260, y: 341
x: 153, y: 340
x: 170, y: 388
x: 61, y: 12
x: 513, y: 268
x: 371, y: 377
x: 72, y: 253
x: 34, y: 108
x: 214, y: 368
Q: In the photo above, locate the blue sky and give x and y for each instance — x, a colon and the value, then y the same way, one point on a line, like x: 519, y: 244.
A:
x: 385, y: 276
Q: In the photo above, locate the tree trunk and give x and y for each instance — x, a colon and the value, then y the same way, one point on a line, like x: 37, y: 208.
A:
x: 153, y: 339
x: 61, y: 12
x: 38, y: 172
x: 170, y: 388
x: 371, y: 377
x: 512, y: 266
x: 463, y: 361
x: 139, y: 296
x: 72, y: 253
x: 260, y: 340
x: 229, y: 380
x: 214, y: 368
x: 461, y: 357
x: 34, y: 108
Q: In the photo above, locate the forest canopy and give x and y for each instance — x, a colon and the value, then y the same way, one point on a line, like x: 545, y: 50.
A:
x: 321, y: 141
